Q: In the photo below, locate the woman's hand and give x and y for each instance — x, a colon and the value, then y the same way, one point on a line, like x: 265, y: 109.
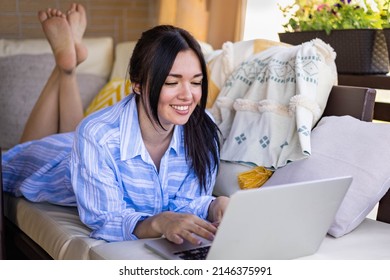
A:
x: 176, y: 227
x: 217, y: 209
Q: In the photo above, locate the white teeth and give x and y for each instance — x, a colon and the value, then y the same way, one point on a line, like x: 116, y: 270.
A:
x: 180, y: 108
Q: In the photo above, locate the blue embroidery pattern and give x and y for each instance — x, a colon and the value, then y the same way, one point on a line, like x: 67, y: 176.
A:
x: 264, y: 142
x: 304, y: 130
x: 241, y: 138
x: 284, y: 144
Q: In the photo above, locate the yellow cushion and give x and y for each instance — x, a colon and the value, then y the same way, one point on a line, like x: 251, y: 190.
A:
x: 114, y: 91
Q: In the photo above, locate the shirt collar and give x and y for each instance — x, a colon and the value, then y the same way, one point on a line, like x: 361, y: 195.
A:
x: 131, y: 143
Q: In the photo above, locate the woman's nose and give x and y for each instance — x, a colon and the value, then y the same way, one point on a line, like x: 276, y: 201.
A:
x: 185, y: 92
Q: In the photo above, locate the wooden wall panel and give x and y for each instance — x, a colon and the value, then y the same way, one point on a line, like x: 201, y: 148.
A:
x: 213, y: 21
x: 121, y: 19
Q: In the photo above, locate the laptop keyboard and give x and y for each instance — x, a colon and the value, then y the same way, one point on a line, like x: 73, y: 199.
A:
x: 194, y: 254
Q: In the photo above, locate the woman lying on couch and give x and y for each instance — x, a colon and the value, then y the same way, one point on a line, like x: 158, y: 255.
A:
x: 142, y: 168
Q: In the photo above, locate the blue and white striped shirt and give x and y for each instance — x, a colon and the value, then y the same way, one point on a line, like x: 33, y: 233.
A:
x: 116, y: 182
x: 109, y: 173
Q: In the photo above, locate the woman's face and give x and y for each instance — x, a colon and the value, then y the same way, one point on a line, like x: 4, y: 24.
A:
x: 181, y: 91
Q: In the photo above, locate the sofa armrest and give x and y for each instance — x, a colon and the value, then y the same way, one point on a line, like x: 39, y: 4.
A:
x: 357, y: 102
x: 384, y: 209
x: 2, y: 231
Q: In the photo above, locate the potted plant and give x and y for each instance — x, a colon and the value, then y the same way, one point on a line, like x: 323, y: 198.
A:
x: 352, y: 28
x: 385, y: 15
x: 384, y: 6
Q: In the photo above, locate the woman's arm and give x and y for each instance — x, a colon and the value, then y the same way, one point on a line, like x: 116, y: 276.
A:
x: 217, y: 209
x: 175, y: 227
x: 99, y: 194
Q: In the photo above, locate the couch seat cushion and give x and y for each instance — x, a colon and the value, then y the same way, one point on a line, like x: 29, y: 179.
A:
x: 57, y: 229
x: 370, y: 240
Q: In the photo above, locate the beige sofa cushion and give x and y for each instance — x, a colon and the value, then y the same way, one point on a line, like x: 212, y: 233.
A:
x: 57, y: 229
x: 25, y: 66
x: 370, y: 241
x: 100, y: 53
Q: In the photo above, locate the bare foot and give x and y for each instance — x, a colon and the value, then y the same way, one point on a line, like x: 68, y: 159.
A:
x: 58, y: 33
x: 77, y: 20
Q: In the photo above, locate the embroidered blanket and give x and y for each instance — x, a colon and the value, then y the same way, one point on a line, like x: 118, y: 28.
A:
x: 269, y: 104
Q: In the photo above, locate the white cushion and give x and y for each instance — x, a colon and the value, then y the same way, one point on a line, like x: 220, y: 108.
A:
x: 123, y: 250
x: 123, y: 52
x: 227, y: 179
x: 346, y: 146
x: 100, y: 52
x: 369, y: 241
x: 57, y: 229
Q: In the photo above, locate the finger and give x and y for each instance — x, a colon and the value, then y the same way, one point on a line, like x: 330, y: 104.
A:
x: 193, y: 238
x: 184, y: 235
x: 207, y: 233
x: 195, y: 234
x: 175, y: 238
x: 207, y: 226
x: 195, y: 224
x: 190, y: 228
x: 218, y: 217
x: 216, y: 223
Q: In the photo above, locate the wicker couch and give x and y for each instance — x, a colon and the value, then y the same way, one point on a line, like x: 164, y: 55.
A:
x: 44, y: 231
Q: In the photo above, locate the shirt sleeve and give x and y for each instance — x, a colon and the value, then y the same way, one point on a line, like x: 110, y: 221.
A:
x: 100, y: 200
x: 190, y: 198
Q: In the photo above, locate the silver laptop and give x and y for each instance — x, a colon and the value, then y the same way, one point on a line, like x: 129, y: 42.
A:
x: 274, y: 222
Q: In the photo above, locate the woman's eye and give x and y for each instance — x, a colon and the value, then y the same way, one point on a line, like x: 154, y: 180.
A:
x: 170, y: 83
x: 197, y: 83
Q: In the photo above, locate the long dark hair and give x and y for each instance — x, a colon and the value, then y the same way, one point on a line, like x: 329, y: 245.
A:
x: 150, y: 64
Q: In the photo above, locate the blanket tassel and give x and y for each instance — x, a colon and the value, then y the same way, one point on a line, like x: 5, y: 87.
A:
x: 254, y: 178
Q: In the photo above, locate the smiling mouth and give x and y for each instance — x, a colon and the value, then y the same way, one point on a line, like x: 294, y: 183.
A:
x: 180, y: 108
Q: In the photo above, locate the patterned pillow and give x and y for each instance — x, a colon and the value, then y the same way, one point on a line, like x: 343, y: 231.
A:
x: 114, y: 91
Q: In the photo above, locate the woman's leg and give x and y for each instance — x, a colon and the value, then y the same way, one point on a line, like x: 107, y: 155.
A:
x: 59, y: 108
x: 70, y: 105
